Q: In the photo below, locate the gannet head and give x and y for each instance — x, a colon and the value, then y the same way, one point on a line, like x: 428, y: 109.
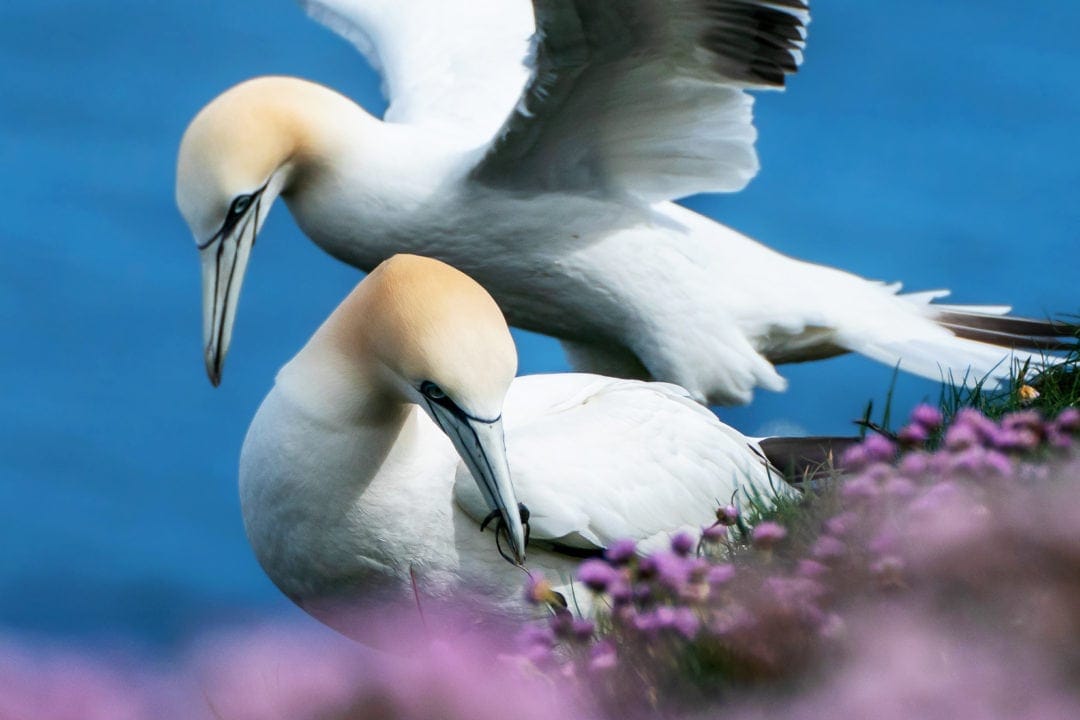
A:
x: 235, y: 159
x: 441, y: 342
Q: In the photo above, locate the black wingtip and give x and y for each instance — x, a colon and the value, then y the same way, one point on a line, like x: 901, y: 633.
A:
x: 806, y: 458
x: 1014, y: 333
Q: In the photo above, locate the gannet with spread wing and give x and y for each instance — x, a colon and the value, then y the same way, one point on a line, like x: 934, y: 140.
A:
x: 370, y: 467
x: 538, y: 146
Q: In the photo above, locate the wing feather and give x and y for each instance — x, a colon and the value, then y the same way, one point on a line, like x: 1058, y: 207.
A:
x: 645, y: 97
x: 457, y: 64
x: 617, y: 459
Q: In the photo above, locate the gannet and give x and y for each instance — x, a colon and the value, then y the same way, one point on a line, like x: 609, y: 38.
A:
x: 387, y: 441
x: 538, y: 147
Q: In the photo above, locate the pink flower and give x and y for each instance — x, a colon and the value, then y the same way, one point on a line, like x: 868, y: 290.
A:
x: 928, y: 416
x: 714, y: 533
x: 621, y: 552
x: 727, y: 515
x: 597, y: 575
x: 1068, y: 420
x: 828, y: 548
x: 767, y: 534
x: 720, y: 574
x: 682, y: 543
x: 878, y: 448
x: 913, y: 435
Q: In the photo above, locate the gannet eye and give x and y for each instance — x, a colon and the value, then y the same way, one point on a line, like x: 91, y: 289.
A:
x: 432, y: 391
x: 239, y: 206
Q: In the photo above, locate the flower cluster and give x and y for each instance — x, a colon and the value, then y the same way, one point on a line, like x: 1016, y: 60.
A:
x: 977, y: 536
x: 939, y: 578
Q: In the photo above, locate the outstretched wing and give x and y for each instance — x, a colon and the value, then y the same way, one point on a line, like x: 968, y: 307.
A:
x: 457, y: 64
x: 616, y: 459
x: 645, y: 96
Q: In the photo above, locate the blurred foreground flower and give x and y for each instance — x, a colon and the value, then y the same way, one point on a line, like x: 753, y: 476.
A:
x: 928, y: 584
x: 936, y: 569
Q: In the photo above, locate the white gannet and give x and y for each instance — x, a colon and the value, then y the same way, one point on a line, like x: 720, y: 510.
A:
x: 544, y: 164
x: 371, y: 464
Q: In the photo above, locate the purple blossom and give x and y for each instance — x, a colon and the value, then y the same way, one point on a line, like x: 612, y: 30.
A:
x: 621, y: 552
x: 680, y: 620
x: 855, y: 458
x: 1019, y: 438
x: 672, y: 571
x: 899, y: 487
x: 842, y: 524
x: 914, y: 464
x: 1068, y: 421
x: 597, y: 575
x: 727, y: 515
x: 620, y: 592
x: 603, y: 657
x: 767, y: 534
x: 928, y: 416
x: 811, y: 569
x: 714, y: 533
x: 827, y: 548
x: 682, y: 543
x: 913, y: 435
x: 860, y: 488
x: 878, y: 448
x: 961, y: 437
x: 583, y: 629
x: 720, y: 574
x: 1024, y: 419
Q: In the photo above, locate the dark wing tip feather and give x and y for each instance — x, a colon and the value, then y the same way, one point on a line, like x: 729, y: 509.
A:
x: 754, y: 41
x: 1015, y: 333
x: 805, y: 458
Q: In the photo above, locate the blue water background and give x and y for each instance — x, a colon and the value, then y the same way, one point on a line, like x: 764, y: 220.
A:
x: 935, y: 143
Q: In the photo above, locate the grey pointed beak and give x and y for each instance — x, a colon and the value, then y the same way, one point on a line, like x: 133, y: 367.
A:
x: 482, y: 446
x: 224, y: 263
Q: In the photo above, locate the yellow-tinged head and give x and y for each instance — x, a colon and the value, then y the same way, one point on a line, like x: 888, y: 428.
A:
x: 430, y: 324
x: 429, y: 334
x: 238, y: 154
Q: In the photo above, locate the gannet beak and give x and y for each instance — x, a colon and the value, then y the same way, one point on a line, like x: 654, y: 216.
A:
x: 482, y: 446
x: 224, y: 262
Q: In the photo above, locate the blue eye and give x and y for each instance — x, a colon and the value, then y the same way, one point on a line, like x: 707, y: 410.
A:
x: 240, y: 205
x: 432, y: 391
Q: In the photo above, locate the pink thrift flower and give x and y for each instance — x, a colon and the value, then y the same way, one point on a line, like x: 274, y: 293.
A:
x: 727, y: 515
x: 928, y: 416
x: 914, y: 464
x: 961, y: 437
x: 597, y: 575
x: 1068, y: 420
x: 767, y: 534
x: 879, y: 448
x: 841, y: 524
x: 621, y: 552
x: 828, y: 548
x: 714, y: 533
x: 811, y: 569
x: 720, y: 574
x: 860, y: 488
x: 913, y: 435
x: 855, y: 458
x: 682, y: 543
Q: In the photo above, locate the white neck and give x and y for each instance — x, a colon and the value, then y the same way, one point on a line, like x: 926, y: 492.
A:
x: 375, y: 186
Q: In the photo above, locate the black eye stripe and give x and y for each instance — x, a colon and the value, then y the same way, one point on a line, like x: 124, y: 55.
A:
x: 239, y: 207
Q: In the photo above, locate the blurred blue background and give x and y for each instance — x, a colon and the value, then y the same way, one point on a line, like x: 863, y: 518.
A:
x: 934, y: 143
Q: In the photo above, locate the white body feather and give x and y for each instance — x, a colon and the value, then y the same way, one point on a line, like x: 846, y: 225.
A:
x: 349, y: 513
